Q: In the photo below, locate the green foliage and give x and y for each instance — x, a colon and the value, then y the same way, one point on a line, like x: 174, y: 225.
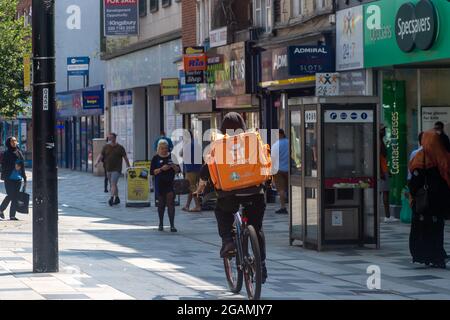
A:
x: 15, y: 42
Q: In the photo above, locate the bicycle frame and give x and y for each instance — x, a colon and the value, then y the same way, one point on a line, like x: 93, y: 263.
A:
x: 240, y: 224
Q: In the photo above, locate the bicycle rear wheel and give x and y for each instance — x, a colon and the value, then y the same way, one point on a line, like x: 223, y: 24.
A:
x: 252, y: 264
x: 233, y: 273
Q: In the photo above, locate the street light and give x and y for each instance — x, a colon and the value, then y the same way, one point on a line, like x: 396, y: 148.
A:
x: 45, y: 177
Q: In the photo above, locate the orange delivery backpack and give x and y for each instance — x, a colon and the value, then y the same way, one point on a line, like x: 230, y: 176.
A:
x: 239, y: 161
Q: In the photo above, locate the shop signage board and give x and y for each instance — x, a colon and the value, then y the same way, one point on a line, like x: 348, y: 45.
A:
x: 349, y: 39
x: 218, y: 37
x: 121, y: 17
x: 78, y: 66
x: 229, y: 70
x: 138, y: 187
x: 395, y: 119
x: 431, y: 115
x: 93, y: 99
x: 170, y: 87
x: 309, y: 60
x: 400, y: 31
x: 349, y: 116
x: 327, y: 84
x: 195, y: 62
x: 355, y: 83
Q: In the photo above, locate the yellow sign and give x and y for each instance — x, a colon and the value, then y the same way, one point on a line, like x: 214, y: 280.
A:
x: 138, y: 187
x: 288, y: 81
x: 143, y: 164
x: 27, y: 73
x: 170, y: 87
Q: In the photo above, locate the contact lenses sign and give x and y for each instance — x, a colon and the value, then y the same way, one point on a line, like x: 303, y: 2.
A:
x: 399, y: 32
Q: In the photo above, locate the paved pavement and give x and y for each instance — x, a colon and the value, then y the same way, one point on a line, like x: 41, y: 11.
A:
x: 118, y: 253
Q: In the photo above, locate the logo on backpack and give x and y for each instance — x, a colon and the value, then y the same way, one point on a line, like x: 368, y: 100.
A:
x: 235, y: 177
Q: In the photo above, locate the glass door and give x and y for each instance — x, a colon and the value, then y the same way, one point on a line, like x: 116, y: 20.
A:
x: 295, y: 176
x: 311, y: 173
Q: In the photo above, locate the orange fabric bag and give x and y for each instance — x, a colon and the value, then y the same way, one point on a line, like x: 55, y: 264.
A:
x: 238, y: 162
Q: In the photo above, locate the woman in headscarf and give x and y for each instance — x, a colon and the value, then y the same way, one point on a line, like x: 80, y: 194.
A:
x: 228, y: 202
x: 13, y: 173
x: 164, y: 170
x: 431, y: 171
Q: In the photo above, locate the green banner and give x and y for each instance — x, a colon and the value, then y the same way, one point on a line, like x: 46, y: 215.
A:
x: 394, y: 106
x: 421, y: 30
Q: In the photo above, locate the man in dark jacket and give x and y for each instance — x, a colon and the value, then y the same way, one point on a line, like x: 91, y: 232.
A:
x: 13, y: 172
x: 439, y: 128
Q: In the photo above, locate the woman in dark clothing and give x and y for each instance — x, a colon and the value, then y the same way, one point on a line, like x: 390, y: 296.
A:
x: 13, y: 172
x: 164, y: 170
x: 431, y: 167
x: 252, y: 199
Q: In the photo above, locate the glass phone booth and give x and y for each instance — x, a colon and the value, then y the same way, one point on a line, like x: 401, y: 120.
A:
x: 333, y: 171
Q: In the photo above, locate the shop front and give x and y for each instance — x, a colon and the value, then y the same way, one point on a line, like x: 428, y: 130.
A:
x: 414, y: 74
x: 79, y: 121
x: 231, y: 82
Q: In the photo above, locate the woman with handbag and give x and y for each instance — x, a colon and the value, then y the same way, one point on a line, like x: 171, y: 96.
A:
x: 164, y: 170
x: 430, y: 193
x: 13, y: 173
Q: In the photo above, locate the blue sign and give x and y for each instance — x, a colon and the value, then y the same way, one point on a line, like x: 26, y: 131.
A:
x: 334, y: 115
x: 93, y: 99
x: 364, y: 116
x: 309, y: 60
x: 343, y: 116
x: 354, y: 115
x: 78, y: 66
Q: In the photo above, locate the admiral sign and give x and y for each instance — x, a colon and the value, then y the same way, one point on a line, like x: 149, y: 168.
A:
x: 309, y: 60
x: 121, y: 17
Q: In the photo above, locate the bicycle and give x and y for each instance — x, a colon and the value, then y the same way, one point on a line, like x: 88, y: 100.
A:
x: 247, y: 267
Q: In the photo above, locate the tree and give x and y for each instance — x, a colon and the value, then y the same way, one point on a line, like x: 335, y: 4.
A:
x: 15, y: 42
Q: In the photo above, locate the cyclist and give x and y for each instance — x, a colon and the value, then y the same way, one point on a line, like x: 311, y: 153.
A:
x: 228, y: 202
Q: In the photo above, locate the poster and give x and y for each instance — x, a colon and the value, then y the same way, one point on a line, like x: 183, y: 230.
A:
x: 121, y: 17
x: 138, y: 187
x: 349, y: 39
x: 431, y: 115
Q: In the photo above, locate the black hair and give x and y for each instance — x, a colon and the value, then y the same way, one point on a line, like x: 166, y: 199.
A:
x: 282, y: 133
x: 439, y: 124
x: 233, y: 121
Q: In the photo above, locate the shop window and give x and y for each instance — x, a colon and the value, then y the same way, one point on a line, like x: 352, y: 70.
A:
x: 204, y: 20
x: 154, y: 5
x: 166, y: 3
x: 263, y: 14
x: 142, y: 8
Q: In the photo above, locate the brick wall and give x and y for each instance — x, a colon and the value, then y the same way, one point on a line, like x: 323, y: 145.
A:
x: 189, y: 22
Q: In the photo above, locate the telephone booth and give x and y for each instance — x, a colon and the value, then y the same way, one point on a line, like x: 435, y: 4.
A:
x: 333, y: 171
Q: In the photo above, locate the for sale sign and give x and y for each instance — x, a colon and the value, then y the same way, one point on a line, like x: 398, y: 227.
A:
x: 121, y: 17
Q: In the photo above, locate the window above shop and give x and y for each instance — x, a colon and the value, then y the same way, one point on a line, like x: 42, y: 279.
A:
x: 263, y: 14
x: 154, y: 5
x: 204, y: 20
x: 142, y: 8
x: 298, y: 8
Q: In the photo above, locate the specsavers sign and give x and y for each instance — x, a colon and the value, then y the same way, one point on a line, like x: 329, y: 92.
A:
x: 400, y: 32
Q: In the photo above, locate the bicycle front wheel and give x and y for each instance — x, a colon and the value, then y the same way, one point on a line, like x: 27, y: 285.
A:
x: 252, y: 264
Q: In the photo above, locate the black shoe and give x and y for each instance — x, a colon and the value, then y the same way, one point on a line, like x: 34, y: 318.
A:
x: 228, y: 248
x: 281, y: 211
x: 264, y: 273
x: 13, y: 219
x: 106, y: 191
x: 2, y: 215
x: 161, y: 228
x: 111, y: 201
x: 117, y: 201
x: 173, y: 229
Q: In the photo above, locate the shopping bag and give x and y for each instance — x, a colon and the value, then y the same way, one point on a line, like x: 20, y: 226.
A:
x: 23, y: 201
x: 406, y: 212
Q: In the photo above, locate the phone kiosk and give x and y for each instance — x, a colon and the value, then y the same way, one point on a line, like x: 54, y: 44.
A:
x: 333, y: 171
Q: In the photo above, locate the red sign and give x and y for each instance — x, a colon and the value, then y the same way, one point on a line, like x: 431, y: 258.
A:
x: 195, y: 62
x: 120, y: 2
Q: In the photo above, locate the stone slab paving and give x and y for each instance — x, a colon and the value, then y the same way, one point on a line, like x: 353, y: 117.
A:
x: 117, y: 253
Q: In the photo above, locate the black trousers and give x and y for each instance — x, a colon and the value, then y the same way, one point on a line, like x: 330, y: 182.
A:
x: 12, y: 194
x: 254, y: 207
x: 166, y: 199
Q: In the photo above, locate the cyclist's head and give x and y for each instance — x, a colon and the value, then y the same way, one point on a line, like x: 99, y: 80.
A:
x: 233, y: 121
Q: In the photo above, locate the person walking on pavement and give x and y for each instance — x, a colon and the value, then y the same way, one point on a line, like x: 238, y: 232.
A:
x: 384, y: 174
x: 100, y: 159
x: 163, y: 137
x: 280, y: 166
x: 192, y: 172
x: 414, y: 153
x: 439, y: 128
x: 13, y: 173
x: 113, y: 155
x: 164, y: 170
x: 430, y: 190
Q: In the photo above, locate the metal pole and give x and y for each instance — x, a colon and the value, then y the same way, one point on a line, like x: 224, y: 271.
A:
x: 45, y: 182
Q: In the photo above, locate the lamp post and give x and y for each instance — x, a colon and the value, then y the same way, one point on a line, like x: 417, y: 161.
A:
x: 45, y: 178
